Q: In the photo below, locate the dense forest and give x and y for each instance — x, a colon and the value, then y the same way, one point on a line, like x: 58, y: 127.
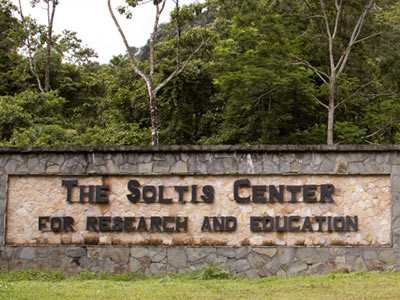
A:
x: 221, y: 72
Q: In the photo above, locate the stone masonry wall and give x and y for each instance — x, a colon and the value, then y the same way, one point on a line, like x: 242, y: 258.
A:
x: 191, y: 160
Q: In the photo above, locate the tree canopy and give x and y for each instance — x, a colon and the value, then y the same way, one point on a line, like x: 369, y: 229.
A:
x: 263, y: 75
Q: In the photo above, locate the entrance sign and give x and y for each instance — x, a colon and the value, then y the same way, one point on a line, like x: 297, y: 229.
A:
x: 234, y: 210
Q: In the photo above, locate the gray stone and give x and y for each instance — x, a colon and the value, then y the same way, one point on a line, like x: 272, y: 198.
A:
x: 226, y: 252
x: 274, y: 265
x: 250, y: 274
x: 27, y: 253
x: 221, y: 260
x: 230, y: 164
x: 53, y: 169
x: 355, y: 168
x: 370, y: 255
x: 216, y: 166
x: 327, y: 166
x: 158, y: 269
x: 286, y: 255
x: 194, y: 254
x: 11, y: 166
x: 145, y: 168
x: 32, y: 163
x: 337, y: 251
x: 270, y: 252
x: 295, y: 268
x: 374, y: 264
x: 324, y: 254
x: 118, y: 255
x: 157, y: 254
x: 242, y: 265
x: 320, y: 269
x: 112, y: 167
x: 242, y: 252
x: 257, y: 261
x: 75, y: 252
x: 160, y: 167
x: 139, y: 252
x: 359, y: 265
x: 308, y: 255
x: 177, y: 257
x: 211, y: 258
x: 180, y: 167
x: 134, y: 265
x: 389, y: 256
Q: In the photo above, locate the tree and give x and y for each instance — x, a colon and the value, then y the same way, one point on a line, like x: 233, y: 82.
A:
x: 10, y: 41
x: 338, y: 55
x: 153, y: 84
x: 46, y: 34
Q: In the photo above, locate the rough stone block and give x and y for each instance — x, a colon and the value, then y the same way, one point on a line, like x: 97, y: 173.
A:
x: 274, y: 265
x: 359, y: 265
x: 158, y: 269
x: 27, y: 253
x: 390, y: 256
x: 157, y: 254
x: 295, y: 268
x: 177, y: 257
x: 145, y: 168
x: 270, y: 252
x: 250, y: 274
x: 308, y: 255
x: 226, y: 252
x: 320, y: 269
x: 139, y: 252
x: 230, y: 164
x: 75, y: 251
x: 241, y: 265
x: 160, y: 167
x: 242, y: 252
x: 134, y: 265
x: 118, y: 255
x: 180, y: 167
x: 195, y: 254
x: 286, y: 255
x: 257, y: 261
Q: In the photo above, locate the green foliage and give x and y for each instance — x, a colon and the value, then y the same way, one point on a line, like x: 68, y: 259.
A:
x: 32, y: 275
x: 249, y: 84
x: 213, y: 272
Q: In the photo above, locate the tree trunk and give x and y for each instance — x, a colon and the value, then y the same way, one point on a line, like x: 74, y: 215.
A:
x: 331, y: 112
x: 154, y: 118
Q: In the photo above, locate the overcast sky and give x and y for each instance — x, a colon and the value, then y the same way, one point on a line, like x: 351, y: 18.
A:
x: 93, y: 23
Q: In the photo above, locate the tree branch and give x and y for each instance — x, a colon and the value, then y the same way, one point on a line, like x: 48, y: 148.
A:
x: 178, y: 70
x: 130, y: 55
x: 320, y: 102
x: 379, y: 130
x: 330, y: 39
x: 339, y: 10
x: 29, y: 46
x: 354, y: 36
x: 153, y: 35
x: 319, y: 73
x: 367, y: 37
x: 354, y: 93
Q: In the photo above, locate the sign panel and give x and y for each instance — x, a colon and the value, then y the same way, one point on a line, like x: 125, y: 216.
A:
x: 301, y: 210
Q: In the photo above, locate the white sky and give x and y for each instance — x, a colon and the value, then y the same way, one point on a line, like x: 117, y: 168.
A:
x: 93, y: 23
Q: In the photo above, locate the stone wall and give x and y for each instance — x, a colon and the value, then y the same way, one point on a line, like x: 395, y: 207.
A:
x: 191, y: 160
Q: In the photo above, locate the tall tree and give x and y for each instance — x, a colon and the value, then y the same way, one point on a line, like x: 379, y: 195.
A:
x: 338, y: 52
x: 153, y: 85
x: 31, y: 30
